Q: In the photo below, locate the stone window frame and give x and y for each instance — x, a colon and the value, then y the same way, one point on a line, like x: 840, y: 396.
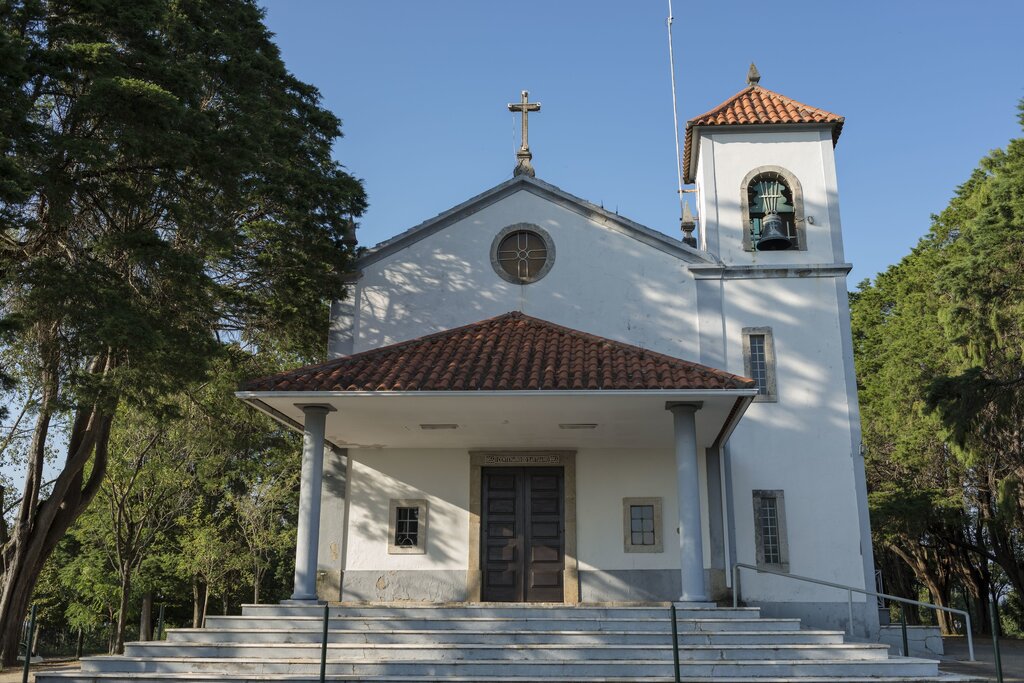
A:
x: 798, y: 206
x: 549, y: 244
x: 659, y: 526
x: 421, y: 535
x: 769, y: 358
x: 780, y: 505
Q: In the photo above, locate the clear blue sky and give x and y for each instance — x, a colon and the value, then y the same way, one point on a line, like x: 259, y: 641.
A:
x: 927, y: 88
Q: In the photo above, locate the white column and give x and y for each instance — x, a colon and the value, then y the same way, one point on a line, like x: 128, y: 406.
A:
x: 308, y: 532
x: 691, y: 546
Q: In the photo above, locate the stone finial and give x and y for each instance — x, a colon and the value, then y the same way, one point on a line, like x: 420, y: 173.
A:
x: 753, y: 75
x: 687, y: 224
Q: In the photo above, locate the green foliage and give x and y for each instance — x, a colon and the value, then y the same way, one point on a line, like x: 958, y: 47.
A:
x: 175, y: 180
x: 939, y: 346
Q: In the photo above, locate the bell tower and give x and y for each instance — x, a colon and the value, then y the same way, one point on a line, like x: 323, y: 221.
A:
x: 764, y: 168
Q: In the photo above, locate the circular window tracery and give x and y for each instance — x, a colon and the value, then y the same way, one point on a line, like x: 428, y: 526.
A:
x: 522, y: 253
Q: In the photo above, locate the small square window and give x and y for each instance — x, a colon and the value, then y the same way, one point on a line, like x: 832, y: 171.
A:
x: 642, y: 525
x: 407, y: 527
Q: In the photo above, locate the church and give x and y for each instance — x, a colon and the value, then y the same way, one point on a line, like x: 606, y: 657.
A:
x: 530, y: 399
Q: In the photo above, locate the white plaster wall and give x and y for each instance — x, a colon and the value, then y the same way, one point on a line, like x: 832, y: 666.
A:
x: 603, y: 478
x: 800, y: 444
x: 731, y: 156
x: 602, y: 282
x: 439, y: 476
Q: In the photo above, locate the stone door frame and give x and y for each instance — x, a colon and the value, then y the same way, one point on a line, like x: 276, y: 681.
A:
x: 566, y: 459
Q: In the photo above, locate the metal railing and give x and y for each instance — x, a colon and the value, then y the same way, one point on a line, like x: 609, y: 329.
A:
x: 850, y: 590
x: 323, y: 643
x: 675, y: 643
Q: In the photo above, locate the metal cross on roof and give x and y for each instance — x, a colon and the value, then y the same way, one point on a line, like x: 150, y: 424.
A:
x: 523, y: 156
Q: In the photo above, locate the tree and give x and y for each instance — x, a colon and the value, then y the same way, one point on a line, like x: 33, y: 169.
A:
x: 260, y: 515
x: 209, y: 557
x: 167, y: 185
x: 981, y: 399
x: 939, y: 345
x: 141, y: 496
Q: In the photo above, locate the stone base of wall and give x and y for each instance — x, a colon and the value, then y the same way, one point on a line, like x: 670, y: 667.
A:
x: 820, y: 615
x: 428, y: 585
x: 328, y: 585
x: 629, y: 585
x: 923, y: 641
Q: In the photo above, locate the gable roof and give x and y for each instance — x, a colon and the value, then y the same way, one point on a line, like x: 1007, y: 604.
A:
x: 755, y: 105
x: 511, y: 352
x: 554, y: 194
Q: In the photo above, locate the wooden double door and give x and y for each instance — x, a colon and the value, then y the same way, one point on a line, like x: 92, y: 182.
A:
x: 522, y: 534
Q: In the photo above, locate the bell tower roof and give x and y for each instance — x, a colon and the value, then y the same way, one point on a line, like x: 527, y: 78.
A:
x: 753, y: 106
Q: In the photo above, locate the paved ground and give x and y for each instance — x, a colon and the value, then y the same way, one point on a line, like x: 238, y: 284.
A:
x: 14, y: 675
x: 1012, y: 654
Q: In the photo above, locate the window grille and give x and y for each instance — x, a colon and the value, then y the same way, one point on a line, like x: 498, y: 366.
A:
x: 642, y: 530
x: 770, y: 531
x: 407, y: 527
x: 522, y: 253
x: 759, y: 361
x: 641, y: 524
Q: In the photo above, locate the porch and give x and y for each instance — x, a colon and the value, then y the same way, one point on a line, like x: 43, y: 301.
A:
x: 520, y: 482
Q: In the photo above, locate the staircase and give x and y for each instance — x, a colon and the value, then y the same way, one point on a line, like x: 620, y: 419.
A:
x: 506, y: 642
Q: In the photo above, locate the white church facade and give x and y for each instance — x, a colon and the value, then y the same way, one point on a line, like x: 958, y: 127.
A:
x: 532, y: 399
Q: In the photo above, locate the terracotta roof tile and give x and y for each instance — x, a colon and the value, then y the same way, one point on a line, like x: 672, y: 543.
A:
x: 512, y: 352
x: 755, y: 105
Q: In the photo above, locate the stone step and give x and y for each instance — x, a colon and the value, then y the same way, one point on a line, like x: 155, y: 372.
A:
x: 535, y: 669
x: 501, y: 611
x: 75, y: 677
x: 376, y: 623
x: 795, y: 637
x: 249, y: 635
x: 363, y: 653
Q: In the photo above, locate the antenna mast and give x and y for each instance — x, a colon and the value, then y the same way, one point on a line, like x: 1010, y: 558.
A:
x: 675, y: 112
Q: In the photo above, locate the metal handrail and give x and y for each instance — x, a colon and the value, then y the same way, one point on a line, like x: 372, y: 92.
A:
x: 850, y: 590
x: 675, y: 642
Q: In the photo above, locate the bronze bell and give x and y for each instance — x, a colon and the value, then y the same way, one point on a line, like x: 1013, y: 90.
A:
x: 773, y: 237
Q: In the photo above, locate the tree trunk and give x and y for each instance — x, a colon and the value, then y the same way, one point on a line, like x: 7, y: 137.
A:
x: 146, y: 618
x: 122, y: 610
x: 110, y: 635
x: 940, y: 597
x: 206, y: 603
x: 196, y: 602
x: 38, y: 530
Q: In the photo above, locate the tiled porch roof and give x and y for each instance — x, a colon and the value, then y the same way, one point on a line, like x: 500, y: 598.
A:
x: 512, y: 352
